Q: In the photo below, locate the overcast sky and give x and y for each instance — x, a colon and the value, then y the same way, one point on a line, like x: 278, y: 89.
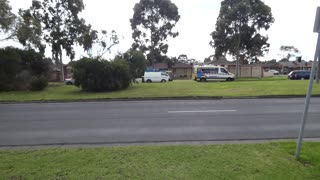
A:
x: 293, y: 25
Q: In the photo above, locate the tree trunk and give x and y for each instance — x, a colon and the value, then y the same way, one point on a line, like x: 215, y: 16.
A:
x: 237, y: 56
x: 61, y: 67
x: 318, y: 70
x: 237, y: 65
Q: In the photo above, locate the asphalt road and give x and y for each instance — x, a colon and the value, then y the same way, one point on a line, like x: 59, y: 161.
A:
x: 154, y: 121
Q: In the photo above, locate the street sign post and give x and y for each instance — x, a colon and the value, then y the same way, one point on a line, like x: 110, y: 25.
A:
x: 316, y: 29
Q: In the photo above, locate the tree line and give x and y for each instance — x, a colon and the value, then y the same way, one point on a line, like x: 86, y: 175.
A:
x: 57, y: 24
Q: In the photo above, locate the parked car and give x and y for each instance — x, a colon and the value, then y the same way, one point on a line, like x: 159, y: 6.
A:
x: 299, y: 74
x: 275, y: 72
x: 69, y: 81
x: 215, y: 73
x: 156, y: 77
x: 170, y: 75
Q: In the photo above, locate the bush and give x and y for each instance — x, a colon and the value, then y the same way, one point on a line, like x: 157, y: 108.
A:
x: 23, y: 80
x: 10, y: 66
x: 39, y: 83
x: 35, y: 62
x: 137, y: 63
x: 121, y: 74
x: 18, y: 66
x: 100, y: 75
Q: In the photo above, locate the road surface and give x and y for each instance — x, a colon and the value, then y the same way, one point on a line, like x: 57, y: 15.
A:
x: 154, y: 121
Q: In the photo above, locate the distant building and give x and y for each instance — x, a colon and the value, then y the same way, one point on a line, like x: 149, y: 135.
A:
x: 160, y: 66
x: 179, y: 70
x: 55, y: 74
x: 286, y: 67
x: 182, y: 71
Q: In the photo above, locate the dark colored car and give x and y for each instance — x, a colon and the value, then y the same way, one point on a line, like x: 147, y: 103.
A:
x: 299, y: 74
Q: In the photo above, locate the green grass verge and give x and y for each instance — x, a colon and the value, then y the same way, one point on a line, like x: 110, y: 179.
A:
x: 253, y: 161
x: 179, y: 88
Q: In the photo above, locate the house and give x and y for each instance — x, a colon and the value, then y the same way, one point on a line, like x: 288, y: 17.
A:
x: 182, y: 71
x: 179, y: 70
x: 288, y: 66
x: 160, y: 66
x: 224, y: 63
x: 245, y: 70
x: 55, y: 73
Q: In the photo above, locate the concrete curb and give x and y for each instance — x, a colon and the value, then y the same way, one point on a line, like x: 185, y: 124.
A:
x: 157, y: 99
x: 159, y: 143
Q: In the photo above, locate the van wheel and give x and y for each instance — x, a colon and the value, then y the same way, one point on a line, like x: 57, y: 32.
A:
x: 149, y: 81
x: 163, y: 81
x: 228, y: 79
x: 202, y: 80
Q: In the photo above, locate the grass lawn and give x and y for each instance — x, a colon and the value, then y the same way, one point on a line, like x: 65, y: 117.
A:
x: 253, y: 161
x: 179, y: 88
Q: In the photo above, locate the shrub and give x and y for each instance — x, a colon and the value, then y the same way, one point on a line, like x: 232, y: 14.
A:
x: 39, y: 83
x: 35, y: 62
x: 18, y: 66
x: 23, y: 80
x: 10, y: 66
x: 121, y: 74
x: 137, y: 63
x: 100, y: 75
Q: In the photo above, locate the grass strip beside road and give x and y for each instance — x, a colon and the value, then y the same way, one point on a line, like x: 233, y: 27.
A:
x: 179, y: 88
x: 238, y: 161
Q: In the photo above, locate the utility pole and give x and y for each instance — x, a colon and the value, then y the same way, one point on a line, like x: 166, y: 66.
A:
x: 316, y: 29
x: 318, y: 71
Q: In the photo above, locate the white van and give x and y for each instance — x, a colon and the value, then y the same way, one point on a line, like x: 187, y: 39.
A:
x: 218, y: 73
x: 156, y: 77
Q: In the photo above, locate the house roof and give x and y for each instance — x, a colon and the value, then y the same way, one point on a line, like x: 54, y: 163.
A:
x: 292, y: 64
x: 222, y: 62
x: 160, y: 66
x: 182, y: 65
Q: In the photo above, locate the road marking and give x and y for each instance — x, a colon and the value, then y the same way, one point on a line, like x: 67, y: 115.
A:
x: 203, y: 111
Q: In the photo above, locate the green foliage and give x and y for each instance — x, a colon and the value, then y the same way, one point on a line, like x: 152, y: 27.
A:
x: 7, y: 18
x: 100, y: 75
x: 238, y: 28
x: 96, y: 44
x: 137, y: 63
x: 60, y: 23
x: 291, y: 50
x: 35, y: 63
x: 23, y: 80
x: 39, y: 83
x: 18, y: 67
x: 121, y: 74
x: 10, y: 66
x: 152, y: 23
x: 29, y: 31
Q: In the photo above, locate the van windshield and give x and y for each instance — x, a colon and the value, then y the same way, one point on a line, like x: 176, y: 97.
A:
x: 223, y: 70
x: 164, y: 74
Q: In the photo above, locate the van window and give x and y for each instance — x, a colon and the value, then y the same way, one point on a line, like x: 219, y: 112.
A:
x: 164, y: 74
x: 223, y: 70
x: 211, y: 71
x: 215, y: 71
